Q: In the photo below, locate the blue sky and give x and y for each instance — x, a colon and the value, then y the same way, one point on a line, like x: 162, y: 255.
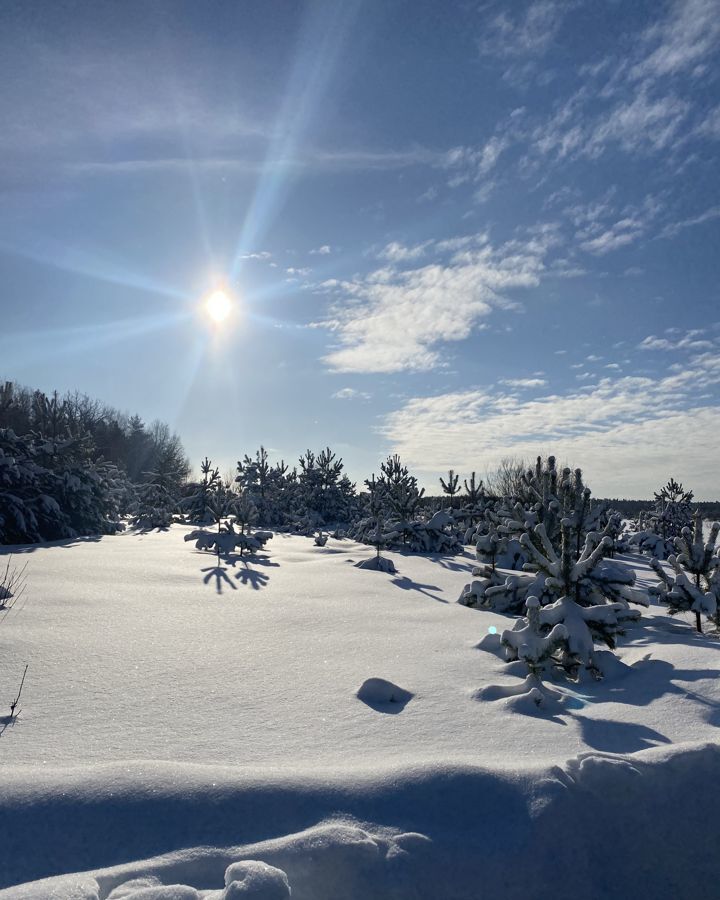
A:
x: 459, y: 231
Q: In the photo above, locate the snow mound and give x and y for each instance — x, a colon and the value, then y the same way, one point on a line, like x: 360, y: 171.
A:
x: 252, y: 878
x: 439, y: 832
x: 152, y: 889
x: 378, y: 564
x: 383, y: 695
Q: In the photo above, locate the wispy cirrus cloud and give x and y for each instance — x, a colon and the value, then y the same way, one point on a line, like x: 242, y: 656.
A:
x: 639, y: 100
x: 673, y: 228
x: 694, y: 339
x: 681, y: 42
x: 517, y: 30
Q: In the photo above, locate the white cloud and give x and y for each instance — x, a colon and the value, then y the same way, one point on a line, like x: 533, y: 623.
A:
x: 350, y: 394
x: 509, y: 33
x: 322, y: 251
x: 524, y: 382
x: 618, y: 235
x: 629, y: 433
x: 393, y: 320
x: 262, y: 255
x: 396, y: 252
x: 675, y: 227
x: 691, y: 340
x: 681, y: 41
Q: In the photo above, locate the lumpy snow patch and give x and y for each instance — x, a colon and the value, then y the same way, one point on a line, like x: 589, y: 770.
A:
x: 383, y: 696
x: 255, y: 879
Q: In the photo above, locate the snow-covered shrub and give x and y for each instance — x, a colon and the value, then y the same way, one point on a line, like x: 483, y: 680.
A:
x: 694, y: 585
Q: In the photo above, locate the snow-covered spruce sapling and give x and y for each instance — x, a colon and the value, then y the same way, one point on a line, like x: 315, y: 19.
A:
x: 376, y: 506
x: 694, y: 585
x: 450, y: 487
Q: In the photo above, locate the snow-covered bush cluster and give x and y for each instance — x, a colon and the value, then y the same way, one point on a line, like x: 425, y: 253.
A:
x: 407, y: 524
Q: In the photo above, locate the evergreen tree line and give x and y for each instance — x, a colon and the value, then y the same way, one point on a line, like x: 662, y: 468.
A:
x: 71, y: 466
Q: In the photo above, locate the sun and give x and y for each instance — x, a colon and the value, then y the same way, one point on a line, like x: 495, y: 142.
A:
x: 218, y: 306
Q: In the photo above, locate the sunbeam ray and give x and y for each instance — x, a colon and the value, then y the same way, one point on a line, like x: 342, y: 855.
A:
x: 33, y: 346
x: 49, y: 252
x: 320, y: 46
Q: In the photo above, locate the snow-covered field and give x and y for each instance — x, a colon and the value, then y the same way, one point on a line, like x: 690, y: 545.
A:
x: 211, y: 713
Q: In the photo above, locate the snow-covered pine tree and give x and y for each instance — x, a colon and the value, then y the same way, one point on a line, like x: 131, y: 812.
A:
x: 673, y: 508
x: 376, y: 505
x: 472, y: 506
x: 695, y: 584
x: 401, y: 496
x: 244, y: 510
x: 580, y: 591
x: 198, y: 505
x: 570, y: 566
x: 451, y: 486
x: 255, y: 476
x: 158, y: 499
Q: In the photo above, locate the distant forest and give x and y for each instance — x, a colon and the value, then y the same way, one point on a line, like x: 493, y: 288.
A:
x: 106, y: 433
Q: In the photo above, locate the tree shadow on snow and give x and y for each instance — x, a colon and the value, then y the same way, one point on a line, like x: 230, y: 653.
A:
x: 64, y: 544
x: 407, y: 584
x: 453, y: 563
x: 8, y: 721
x: 663, y: 629
x: 220, y: 574
x: 618, y: 737
x: 255, y: 579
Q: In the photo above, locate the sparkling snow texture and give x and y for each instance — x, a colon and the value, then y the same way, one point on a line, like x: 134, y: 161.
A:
x: 173, y: 704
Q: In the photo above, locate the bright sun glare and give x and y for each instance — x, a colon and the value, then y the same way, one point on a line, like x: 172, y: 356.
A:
x: 218, y: 306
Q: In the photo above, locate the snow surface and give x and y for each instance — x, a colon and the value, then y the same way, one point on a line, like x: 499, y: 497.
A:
x: 213, y: 713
